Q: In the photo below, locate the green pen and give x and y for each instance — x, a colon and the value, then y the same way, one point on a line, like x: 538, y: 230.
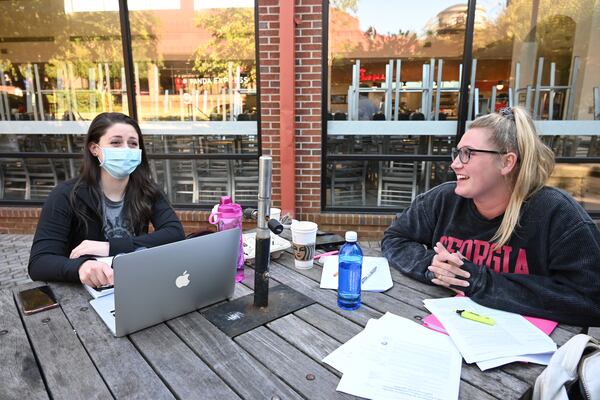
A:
x: 476, y: 317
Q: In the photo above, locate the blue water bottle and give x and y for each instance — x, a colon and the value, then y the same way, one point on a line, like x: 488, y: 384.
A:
x: 349, y: 273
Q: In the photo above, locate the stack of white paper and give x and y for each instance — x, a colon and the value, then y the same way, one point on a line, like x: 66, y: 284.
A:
x: 395, y: 358
x: 511, y: 338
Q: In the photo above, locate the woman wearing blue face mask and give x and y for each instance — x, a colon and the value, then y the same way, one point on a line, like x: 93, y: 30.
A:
x: 103, y: 212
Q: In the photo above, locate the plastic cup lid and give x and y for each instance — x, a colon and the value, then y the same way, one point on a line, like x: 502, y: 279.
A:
x: 304, y: 226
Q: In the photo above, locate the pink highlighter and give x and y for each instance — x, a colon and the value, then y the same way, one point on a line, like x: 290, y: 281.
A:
x: 330, y: 253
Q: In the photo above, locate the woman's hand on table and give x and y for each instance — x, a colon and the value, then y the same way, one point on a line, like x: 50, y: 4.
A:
x: 95, y: 273
x: 446, y: 269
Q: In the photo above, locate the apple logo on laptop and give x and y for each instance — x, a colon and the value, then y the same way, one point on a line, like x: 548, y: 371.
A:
x: 182, y: 280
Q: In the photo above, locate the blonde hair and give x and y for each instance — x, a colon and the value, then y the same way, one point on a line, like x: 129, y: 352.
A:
x: 512, y: 130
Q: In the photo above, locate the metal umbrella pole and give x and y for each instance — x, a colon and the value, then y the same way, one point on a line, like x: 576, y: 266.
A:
x: 246, y: 313
x: 263, y: 234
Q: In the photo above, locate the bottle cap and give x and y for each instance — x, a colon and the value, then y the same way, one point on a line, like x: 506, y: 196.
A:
x: 351, y: 236
x: 225, y: 200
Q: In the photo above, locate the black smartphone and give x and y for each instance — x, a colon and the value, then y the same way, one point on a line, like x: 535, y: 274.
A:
x: 37, y: 299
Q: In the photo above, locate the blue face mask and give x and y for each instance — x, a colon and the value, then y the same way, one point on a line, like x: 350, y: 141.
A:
x: 119, y: 162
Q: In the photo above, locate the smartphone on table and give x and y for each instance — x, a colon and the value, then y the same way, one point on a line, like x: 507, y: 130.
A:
x: 37, y: 299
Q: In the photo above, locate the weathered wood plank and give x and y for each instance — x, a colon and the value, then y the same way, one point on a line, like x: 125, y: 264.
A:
x: 305, y: 337
x: 122, y: 367
x: 68, y: 371
x: 327, y: 298
x: 510, y: 387
x: 341, y: 329
x: 561, y: 336
x: 409, y: 295
x: 466, y: 391
x: 249, y: 378
x: 287, y: 260
x: 179, y: 367
x: 241, y: 291
x: 414, y: 292
x: 371, y: 301
x: 19, y: 373
x: 317, y: 344
x: 527, y: 373
x: 430, y: 290
x: 336, y: 326
x: 494, y: 382
x: 573, y: 329
x: 291, y: 365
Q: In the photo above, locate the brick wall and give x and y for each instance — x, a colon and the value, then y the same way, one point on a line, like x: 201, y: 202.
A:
x: 308, y: 31
x: 23, y: 220
x: 17, y: 220
x: 268, y: 50
x: 309, y: 39
x: 308, y: 54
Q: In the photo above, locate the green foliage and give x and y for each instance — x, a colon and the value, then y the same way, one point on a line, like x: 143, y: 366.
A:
x: 345, y: 5
x: 232, y: 41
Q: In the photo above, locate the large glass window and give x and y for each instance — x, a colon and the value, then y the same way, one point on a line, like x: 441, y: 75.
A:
x: 540, y: 54
x: 389, y: 60
x: 394, y: 72
x: 399, y: 66
x: 59, y: 65
x: 194, y: 80
x: 201, y: 76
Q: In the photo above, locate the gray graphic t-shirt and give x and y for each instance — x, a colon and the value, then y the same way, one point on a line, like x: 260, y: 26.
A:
x: 115, y: 225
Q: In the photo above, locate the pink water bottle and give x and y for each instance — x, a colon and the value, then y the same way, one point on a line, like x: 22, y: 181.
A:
x: 228, y: 215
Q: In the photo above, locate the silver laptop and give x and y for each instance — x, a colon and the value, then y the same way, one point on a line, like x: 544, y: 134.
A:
x: 157, y: 284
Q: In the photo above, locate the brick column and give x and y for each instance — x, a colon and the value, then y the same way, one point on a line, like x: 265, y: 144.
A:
x: 309, y: 38
x: 268, y: 53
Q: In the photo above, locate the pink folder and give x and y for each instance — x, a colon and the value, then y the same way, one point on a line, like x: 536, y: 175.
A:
x: 545, y: 325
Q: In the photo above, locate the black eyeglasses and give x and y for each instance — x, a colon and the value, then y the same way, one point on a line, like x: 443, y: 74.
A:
x: 464, y: 153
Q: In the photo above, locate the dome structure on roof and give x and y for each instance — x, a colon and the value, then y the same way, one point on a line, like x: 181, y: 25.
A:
x: 453, y: 20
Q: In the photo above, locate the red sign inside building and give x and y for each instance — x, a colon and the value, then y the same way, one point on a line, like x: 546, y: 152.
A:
x: 371, y: 77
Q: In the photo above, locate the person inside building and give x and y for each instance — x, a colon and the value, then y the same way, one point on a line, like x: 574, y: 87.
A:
x: 497, y: 234
x: 366, y: 108
x: 105, y: 211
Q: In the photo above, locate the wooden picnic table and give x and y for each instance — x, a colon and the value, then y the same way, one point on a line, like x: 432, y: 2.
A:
x: 68, y: 353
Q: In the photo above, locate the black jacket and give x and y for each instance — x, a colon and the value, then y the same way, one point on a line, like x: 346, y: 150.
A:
x: 59, y: 231
x: 550, y: 268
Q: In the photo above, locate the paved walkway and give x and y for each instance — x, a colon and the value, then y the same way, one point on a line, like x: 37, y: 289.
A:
x: 14, y: 255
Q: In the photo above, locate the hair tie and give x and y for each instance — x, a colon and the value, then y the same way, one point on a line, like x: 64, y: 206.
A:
x: 507, y: 113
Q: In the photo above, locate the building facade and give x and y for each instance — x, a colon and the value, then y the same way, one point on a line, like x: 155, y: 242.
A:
x: 358, y: 102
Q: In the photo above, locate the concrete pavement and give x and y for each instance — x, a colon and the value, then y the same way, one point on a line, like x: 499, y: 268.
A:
x: 14, y: 255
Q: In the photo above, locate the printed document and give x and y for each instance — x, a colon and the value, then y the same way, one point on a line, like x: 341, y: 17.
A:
x: 396, y: 358
x: 512, y: 334
x: 379, y: 281
x: 545, y: 325
x: 542, y: 359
